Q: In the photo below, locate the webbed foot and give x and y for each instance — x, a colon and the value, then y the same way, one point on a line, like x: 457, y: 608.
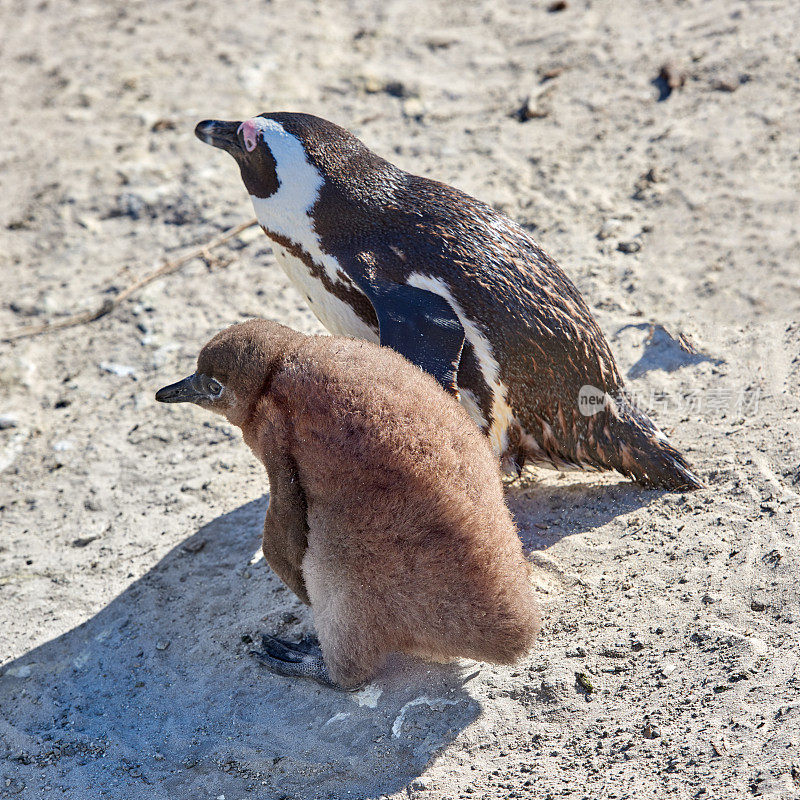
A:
x: 293, y: 660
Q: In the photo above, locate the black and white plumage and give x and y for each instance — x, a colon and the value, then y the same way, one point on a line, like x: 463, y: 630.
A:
x: 452, y: 284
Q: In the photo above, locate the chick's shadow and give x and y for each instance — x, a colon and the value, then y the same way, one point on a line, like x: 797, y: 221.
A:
x: 156, y: 694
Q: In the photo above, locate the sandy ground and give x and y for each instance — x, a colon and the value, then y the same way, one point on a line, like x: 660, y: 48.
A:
x: 126, y: 584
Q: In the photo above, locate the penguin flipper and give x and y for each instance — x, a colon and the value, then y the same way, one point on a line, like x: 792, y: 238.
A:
x: 421, y: 326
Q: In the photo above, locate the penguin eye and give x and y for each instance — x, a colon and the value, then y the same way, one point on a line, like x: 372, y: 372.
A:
x: 214, y: 387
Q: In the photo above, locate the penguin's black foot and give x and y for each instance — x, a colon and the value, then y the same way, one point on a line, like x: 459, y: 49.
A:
x: 293, y: 660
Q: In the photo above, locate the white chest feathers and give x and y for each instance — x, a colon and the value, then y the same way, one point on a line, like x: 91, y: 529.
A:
x: 288, y: 214
x: 335, y: 314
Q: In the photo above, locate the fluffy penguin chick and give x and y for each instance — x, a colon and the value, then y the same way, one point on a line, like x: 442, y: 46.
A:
x: 386, y: 507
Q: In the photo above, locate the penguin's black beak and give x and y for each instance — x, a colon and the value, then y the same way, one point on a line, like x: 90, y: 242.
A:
x: 189, y: 390
x: 219, y: 133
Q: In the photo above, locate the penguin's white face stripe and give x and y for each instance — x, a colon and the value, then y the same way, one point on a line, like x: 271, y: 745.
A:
x: 287, y: 212
x: 501, y: 415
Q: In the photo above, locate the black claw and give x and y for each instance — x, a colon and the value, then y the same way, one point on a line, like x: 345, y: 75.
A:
x: 308, y: 644
x: 283, y: 651
x: 264, y: 658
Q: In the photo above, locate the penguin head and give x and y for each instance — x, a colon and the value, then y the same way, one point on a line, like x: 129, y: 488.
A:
x: 245, y: 141
x: 285, y: 158
x: 233, y: 369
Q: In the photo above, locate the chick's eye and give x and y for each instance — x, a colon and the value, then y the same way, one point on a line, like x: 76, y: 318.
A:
x: 215, y: 387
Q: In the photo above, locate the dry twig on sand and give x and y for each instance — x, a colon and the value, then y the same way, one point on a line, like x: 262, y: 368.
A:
x: 110, y: 304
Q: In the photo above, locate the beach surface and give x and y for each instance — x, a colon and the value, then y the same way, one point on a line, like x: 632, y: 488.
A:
x: 651, y: 147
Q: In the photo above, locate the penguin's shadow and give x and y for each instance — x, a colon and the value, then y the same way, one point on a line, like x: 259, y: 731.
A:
x: 157, y: 696
x: 547, y: 510
x: 660, y: 350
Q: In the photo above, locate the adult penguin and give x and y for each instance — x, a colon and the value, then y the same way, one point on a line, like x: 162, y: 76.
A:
x: 453, y: 285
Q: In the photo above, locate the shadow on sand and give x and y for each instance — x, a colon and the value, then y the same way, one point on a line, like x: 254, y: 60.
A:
x: 156, y: 696
x: 546, y: 509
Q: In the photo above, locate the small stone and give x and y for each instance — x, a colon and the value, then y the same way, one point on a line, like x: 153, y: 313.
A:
x: 584, y: 682
x: 83, y: 541
x: 558, y: 5
x: 413, y: 108
x: 441, y: 41
x: 372, y: 85
x: 667, y: 668
x: 194, y: 545
x: 162, y: 644
x: 609, y: 228
x: 629, y: 247
x: 757, y: 604
x: 394, y: 88
x: 552, y: 72
x: 163, y: 125
x: 673, y: 75
x: 121, y: 370
x: 730, y: 84
x: 8, y: 421
x: 650, y: 731
x: 397, y: 89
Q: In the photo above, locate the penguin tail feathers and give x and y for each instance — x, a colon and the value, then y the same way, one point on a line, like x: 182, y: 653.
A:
x: 642, y: 452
